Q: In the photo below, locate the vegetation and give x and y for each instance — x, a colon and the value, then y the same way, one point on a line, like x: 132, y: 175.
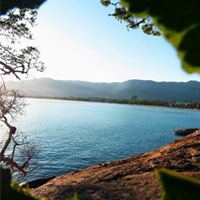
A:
x: 178, y: 22
x: 10, y: 190
x: 13, y: 27
x: 170, y: 91
x: 132, y: 22
x: 178, y: 187
x: 16, y: 150
x: 146, y: 102
x: 14, y: 60
x: 180, y: 25
x: 9, y: 5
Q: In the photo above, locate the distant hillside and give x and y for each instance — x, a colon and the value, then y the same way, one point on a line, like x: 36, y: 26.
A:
x: 170, y: 91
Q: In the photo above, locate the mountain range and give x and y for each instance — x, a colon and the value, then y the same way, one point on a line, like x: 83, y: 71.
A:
x: 143, y: 89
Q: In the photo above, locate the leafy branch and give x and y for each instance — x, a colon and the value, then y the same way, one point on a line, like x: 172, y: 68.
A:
x: 132, y: 22
x: 15, y: 150
x: 14, y: 26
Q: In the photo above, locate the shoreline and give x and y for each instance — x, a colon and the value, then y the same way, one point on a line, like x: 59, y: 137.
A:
x: 89, y: 101
x: 34, y: 183
x: 129, y: 177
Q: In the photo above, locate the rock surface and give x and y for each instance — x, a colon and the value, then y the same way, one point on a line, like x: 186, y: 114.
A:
x: 36, y: 183
x: 127, y: 179
x: 184, y: 132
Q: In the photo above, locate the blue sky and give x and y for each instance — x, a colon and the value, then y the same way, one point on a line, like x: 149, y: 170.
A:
x: 79, y: 41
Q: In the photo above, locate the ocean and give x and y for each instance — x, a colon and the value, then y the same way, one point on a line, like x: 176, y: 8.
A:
x: 73, y: 135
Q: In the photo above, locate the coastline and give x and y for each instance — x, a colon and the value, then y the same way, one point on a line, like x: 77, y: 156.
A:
x: 129, y: 177
x: 90, y: 101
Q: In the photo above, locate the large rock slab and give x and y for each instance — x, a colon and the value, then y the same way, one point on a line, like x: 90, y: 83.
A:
x: 128, y: 179
x: 36, y: 183
x: 184, y: 132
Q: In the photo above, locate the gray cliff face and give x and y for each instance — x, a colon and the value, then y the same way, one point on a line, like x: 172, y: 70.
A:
x: 129, y: 178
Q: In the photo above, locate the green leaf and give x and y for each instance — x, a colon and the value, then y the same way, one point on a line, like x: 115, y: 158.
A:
x: 7, y: 5
x: 10, y: 190
x: 178, y: 187
x: 180, y: 23
x: 105, y: 3
x: 75, y: 197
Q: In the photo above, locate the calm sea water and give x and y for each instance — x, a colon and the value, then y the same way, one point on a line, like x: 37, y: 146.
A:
x: 73, y: 135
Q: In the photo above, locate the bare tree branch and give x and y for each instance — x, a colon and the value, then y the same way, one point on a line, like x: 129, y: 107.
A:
x: 15, y: 150
x: 11, y: 105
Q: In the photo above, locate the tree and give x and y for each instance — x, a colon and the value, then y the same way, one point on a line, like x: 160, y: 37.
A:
x: 14, y: 26
x: 11, y: 105
x: 15, y: 150
x: 179, y: 22
x: 134, y: 97
x: 10, y: 4
x: 132, y: 22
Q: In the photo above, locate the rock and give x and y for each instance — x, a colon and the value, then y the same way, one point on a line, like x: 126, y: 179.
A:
x: 36, y: 183
x: 184, y: 132
x: 129, y: 178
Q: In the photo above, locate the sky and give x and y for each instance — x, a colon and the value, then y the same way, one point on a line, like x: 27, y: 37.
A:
x: 79, y: 41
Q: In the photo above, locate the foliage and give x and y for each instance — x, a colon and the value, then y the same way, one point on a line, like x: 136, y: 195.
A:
x: 10, y: 4
x: 177, y: 186
x: 75, y: 197
x: 134, y: 101
x: 132, y: 22
x: 14, y: 143
x: 14, y: 60
x: 179, y: 22
x: 14, y: 26
x: 10, y: 189
x: 134, y: 97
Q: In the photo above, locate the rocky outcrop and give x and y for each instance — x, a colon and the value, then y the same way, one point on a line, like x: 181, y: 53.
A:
x: 36, y: 183
x: 130, y: 178
x: 184, y: 132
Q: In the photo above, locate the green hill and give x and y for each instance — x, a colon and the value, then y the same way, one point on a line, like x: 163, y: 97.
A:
x: 169, y: 91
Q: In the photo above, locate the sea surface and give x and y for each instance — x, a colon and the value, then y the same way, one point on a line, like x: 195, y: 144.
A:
x: 73, y: 135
